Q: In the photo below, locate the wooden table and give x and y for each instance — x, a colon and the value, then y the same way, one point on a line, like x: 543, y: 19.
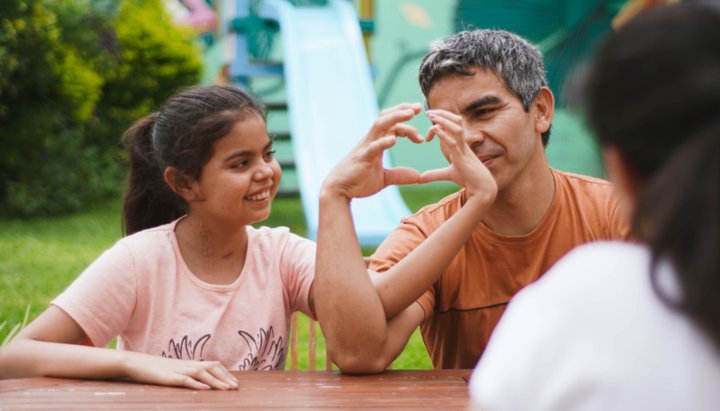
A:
x: 442, y: 389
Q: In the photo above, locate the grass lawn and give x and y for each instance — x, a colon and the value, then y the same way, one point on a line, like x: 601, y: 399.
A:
x: 40, y: 257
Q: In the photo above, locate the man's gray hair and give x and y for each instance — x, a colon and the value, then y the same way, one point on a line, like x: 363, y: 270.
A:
x: 516, y: 62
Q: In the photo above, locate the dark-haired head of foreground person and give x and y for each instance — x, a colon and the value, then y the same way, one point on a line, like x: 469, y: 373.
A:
x: 654, y: 101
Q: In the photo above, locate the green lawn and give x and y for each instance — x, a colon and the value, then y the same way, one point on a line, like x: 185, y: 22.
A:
x: 40, y: 257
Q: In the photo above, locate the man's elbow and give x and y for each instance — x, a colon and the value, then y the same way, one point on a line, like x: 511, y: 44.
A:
x: 359, y: 363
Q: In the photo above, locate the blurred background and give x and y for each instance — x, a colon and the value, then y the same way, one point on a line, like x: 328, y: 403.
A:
x: 75, y: 73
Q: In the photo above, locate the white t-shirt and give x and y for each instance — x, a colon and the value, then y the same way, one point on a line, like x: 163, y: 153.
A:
x: 141, y: 291
x: 592, y: 335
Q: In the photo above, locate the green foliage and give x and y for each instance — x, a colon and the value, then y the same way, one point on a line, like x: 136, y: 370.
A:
x: 155, y: 58
x: 39, y: 257
x: 15, y: 328
x: 34, y: 59
x: 47, y: 91
x: 73, y: 75
x: 65, y: 174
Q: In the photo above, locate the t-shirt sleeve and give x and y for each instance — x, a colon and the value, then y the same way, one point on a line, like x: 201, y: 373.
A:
x: 102, y: 298
x: 399, y: 243
x: 298, y: 267
x: 396, y: 246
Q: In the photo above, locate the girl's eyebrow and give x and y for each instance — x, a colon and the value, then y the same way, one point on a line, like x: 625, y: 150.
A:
x: 245, y: 153
x: 235, y: 154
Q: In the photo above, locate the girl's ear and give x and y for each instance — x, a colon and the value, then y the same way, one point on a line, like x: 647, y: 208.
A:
x: 544, y: 105
x: 180, y: 183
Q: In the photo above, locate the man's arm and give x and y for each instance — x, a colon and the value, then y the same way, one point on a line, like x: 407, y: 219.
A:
x: 353, y: 312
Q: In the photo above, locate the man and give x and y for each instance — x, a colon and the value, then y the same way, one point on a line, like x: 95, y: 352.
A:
x: 492, y: 84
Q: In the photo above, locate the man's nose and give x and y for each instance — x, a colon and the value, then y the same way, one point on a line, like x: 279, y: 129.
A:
x: 474, y: 137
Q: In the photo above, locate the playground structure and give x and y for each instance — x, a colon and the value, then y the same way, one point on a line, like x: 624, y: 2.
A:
x: 330, y: 96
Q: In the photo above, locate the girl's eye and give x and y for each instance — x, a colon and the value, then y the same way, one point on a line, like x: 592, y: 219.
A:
x: 270, y: 154
x: 240, y: 164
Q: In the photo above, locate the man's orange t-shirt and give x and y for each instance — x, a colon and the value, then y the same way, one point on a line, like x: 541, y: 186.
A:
x: 466, y: 302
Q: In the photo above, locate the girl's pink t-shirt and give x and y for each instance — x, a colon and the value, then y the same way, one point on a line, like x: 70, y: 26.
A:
x: 141, y: 291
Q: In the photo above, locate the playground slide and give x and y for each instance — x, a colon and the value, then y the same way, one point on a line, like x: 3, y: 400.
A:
x: 331, y: 104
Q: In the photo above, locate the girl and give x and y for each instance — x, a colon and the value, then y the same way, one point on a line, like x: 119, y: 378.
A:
x: 193, y: 290
x: 617, y: 326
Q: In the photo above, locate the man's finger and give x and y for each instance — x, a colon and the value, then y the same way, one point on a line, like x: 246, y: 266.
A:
x: 401, y: 175
x: 383, y: 124
x: 452, y: 127
x: 430, y: 134
x: 416, y: 107
x: 408, y: 131
x: 381, y: 144
x: 438, y: 174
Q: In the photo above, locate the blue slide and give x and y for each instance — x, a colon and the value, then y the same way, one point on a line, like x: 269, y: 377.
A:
x: 332, y: 104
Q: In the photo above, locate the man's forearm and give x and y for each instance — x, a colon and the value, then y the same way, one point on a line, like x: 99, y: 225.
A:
x: 348, y: 307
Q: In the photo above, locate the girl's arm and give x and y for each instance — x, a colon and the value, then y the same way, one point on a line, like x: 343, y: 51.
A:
x: 51, y: 346
x: 354, y: 312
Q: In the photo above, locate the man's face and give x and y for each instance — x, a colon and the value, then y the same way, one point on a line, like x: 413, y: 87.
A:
x: 497, y: 128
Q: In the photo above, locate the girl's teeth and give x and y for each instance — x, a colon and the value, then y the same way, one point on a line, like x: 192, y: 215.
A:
x: 260, y: 196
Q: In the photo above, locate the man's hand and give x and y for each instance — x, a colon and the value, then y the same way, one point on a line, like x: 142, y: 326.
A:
x: 465, y: 168
x: 361, y: 172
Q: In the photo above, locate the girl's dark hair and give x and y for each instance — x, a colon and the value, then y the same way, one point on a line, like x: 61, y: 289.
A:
x: 181, y: 135
x: 654, y: 95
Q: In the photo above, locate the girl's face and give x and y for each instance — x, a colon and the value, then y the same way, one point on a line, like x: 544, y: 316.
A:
x: 239, y: 182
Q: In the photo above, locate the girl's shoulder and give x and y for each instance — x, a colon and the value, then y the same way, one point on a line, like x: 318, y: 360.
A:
x: 148, y: 241
x: 278, y: 243
x: 275, y: 235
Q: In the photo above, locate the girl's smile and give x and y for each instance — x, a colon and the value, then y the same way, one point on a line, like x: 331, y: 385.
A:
x: 241, y: 178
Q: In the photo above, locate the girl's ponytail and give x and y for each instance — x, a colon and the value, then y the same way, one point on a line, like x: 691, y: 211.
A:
x: 678, y: 216
x: 148, y: 200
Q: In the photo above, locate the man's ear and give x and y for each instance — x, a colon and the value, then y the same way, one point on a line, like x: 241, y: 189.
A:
x: 179, y: 183
x: 544, y: 109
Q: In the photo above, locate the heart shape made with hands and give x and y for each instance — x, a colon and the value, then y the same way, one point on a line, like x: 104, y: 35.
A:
x: 448, y: 127
x: 361, y: 173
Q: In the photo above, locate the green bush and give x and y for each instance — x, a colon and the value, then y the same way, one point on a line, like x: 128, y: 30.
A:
x: 154, y: 59
x: 73, y: 75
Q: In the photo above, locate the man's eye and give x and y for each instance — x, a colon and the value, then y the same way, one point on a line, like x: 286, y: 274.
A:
x: 482, y: 113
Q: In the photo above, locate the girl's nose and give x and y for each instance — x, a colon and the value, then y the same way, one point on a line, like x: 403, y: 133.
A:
x: 264, y: 171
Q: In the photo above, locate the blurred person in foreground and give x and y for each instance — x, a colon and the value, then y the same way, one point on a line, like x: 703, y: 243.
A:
x: 621, y: 326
